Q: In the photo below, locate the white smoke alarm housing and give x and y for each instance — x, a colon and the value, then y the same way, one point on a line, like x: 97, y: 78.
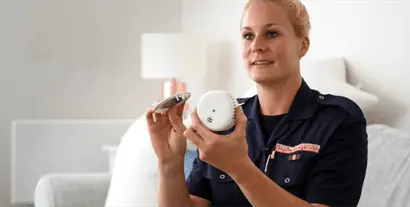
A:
x: 216, y: 110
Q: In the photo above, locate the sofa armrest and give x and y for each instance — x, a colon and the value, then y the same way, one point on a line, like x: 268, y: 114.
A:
x: 72, y: 190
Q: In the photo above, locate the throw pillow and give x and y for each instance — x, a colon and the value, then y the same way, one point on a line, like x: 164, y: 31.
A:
x: 134, y: 180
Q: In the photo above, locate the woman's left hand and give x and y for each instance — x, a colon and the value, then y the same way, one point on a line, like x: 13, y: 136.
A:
x: 225, y: 152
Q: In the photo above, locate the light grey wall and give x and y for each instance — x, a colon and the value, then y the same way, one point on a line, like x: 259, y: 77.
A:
x: 74, y: 59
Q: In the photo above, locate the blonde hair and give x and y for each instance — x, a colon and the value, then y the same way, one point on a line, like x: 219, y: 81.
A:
x: 297, y: 13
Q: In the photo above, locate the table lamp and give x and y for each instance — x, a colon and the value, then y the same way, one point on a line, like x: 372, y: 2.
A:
x: 176, y: 58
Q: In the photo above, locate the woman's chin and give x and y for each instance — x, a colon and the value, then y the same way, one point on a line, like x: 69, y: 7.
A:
x: 263, y: 78
x: 268, y: 80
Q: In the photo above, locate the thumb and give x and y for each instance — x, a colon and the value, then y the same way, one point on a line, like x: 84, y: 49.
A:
x: 241, y: 121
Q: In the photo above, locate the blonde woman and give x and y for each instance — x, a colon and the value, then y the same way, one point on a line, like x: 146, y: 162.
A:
x: 291, y: 147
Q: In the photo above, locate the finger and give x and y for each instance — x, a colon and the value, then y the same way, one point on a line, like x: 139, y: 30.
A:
x: 199, y: 127
x: 155, y: 116
x: 240, y: 121
x: 149, y: 117
x: 178, y: 132
x: 193, y: 137
x: 176, y: 120
x: 161, y: 117
x: 180, y: 109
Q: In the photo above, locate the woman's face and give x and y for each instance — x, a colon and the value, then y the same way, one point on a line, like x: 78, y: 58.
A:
x: 271, y: 49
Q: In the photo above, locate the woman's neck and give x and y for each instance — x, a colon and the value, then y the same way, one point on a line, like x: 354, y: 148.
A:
x: 276, y: 99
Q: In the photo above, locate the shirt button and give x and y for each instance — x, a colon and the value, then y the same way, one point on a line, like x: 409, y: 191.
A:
x: 222, y: 176
x: 321, y: 97
x: 287, y: 180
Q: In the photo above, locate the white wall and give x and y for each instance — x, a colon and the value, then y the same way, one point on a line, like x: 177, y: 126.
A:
x: 371, y: 35
x: 219, y: 20
x: 74, y: 59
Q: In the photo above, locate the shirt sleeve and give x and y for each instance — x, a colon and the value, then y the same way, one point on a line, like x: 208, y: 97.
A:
x: 197, y: 184
x: 338, y: 177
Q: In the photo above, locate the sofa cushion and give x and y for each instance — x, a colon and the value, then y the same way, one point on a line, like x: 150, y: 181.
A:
x: 388, y: 171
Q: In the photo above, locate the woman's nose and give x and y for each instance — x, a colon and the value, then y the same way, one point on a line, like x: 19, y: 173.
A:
x: 258, y: 45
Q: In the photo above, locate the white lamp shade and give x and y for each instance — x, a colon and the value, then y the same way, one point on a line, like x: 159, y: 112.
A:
x: 173, y: 55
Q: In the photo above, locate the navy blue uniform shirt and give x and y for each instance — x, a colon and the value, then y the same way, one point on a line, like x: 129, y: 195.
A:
x: 318, y: 152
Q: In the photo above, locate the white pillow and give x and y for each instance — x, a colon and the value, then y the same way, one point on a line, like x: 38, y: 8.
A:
x: 336, y: 87
x: 331, y: 67
x: 134, y: 180
x: 328, y: 76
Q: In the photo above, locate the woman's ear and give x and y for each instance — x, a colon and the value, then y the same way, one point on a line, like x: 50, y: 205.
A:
x: 304, y: 47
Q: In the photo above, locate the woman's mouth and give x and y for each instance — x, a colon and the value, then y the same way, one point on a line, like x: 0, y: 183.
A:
x: 262, y: 62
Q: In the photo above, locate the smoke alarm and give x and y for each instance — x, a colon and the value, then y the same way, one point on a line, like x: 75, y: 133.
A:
x: 216, y: 110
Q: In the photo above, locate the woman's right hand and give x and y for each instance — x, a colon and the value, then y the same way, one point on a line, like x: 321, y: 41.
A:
x: 166, y: 133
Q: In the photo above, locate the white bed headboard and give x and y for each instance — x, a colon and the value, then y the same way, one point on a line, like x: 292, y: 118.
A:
x: 59, y: 146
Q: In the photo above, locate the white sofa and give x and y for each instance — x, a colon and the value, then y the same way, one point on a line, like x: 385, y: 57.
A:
x: 81, y: 190
x: 72, y: 190
x: 386, y: 184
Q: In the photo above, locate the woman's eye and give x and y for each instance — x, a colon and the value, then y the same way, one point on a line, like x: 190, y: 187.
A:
x: 271, y: 34
x: 247, y: 36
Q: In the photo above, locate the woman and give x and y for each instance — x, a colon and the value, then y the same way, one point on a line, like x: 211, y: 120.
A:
x: 291, y: 146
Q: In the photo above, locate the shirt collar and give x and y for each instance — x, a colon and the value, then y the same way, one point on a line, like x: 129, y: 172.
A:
x: 302, y: 106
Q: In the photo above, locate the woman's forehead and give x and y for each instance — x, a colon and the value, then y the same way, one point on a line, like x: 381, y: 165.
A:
x: 261, y: 14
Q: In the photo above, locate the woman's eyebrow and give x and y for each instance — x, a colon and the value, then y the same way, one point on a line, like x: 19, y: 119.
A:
x: 266, y: 26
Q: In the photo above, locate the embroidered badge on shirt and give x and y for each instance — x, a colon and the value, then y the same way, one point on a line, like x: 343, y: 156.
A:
x: 294, y: 157
x: 307, y: 147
